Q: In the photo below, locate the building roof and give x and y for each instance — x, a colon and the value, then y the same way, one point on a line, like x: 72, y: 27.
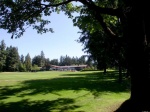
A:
x: 72, y: 66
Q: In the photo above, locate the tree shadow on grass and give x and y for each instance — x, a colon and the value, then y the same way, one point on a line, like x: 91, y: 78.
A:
x: 90, y: 82
x: 95, y: 82
x: 59, y: 105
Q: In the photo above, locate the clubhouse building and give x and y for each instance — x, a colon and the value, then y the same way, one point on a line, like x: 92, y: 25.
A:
x: 68, y: 68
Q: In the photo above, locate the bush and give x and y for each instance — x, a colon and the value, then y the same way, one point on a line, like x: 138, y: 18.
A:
x: 35, y: 68
x: 22, y: 68
x: 89, y: 69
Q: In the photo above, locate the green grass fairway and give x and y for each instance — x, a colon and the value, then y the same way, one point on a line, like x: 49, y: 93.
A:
x: 55, y: 91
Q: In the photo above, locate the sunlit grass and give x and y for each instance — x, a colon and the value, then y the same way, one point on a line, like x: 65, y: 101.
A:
x: 61, y: 91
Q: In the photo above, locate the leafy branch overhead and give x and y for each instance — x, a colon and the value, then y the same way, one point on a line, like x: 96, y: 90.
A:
x: 17, y: 15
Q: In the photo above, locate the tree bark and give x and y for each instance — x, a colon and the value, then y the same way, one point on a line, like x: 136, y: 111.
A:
x: 138, y: 58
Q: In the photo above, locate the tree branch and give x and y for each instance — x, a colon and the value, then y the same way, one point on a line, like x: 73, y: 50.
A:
x: 89, y: 3
x: 97, y: 10
x: 108, y: 11
x: 56, y: 5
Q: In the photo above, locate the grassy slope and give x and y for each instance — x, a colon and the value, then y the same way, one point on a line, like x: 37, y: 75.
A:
x: 61, y: 91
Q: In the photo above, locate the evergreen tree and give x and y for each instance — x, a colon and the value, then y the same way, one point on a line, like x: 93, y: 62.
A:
x: 54, y: 62
x: 12, y: 60
x: 28, y: 63
x: 73, y: 60
x: 2, y: 55
x: 61, y: 61
x: 47, y: 61
x: 42, y: 59
x: 22, y: 67
x: 36, y: 60
x: 22, y: 59
x: 82, y: 60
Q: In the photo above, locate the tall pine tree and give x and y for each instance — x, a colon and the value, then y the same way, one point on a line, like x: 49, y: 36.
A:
x: 28, y: 62
x: 12, y: 60
x: 2, y: 55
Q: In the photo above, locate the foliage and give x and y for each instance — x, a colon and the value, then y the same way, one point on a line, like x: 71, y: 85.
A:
x: 67, y: 60
x: 87, y: 21
x: 18, y: 15
x: 28, y: 63
x: 36, y: 60
x: 54, y: 62
x: 42, y: 59
x: 89, y: 69
x: 2, y: 55
x: 22, y: 59
x: 12, y: 59
x: 35, y: 68
x: 22, y: 67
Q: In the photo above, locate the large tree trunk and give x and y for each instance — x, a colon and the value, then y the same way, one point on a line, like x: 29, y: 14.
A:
x: 138, y: 58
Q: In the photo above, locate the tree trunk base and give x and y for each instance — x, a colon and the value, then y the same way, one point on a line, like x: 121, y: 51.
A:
x: 132, y: 106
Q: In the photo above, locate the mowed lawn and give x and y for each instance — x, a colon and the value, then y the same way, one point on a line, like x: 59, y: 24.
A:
x: 55, y: 91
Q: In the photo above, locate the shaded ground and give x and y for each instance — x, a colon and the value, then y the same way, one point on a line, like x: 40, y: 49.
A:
x: 38, y: 106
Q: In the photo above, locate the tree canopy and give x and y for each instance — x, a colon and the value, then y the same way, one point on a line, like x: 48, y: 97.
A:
x: 17, y: 15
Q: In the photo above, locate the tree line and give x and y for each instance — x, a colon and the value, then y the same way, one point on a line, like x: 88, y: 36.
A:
x: 10, y: 60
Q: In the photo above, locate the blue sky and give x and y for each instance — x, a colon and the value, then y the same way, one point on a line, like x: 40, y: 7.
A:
x: 61, y: 42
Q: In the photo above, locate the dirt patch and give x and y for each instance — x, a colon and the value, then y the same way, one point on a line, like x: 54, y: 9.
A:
x: 113, y: 107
